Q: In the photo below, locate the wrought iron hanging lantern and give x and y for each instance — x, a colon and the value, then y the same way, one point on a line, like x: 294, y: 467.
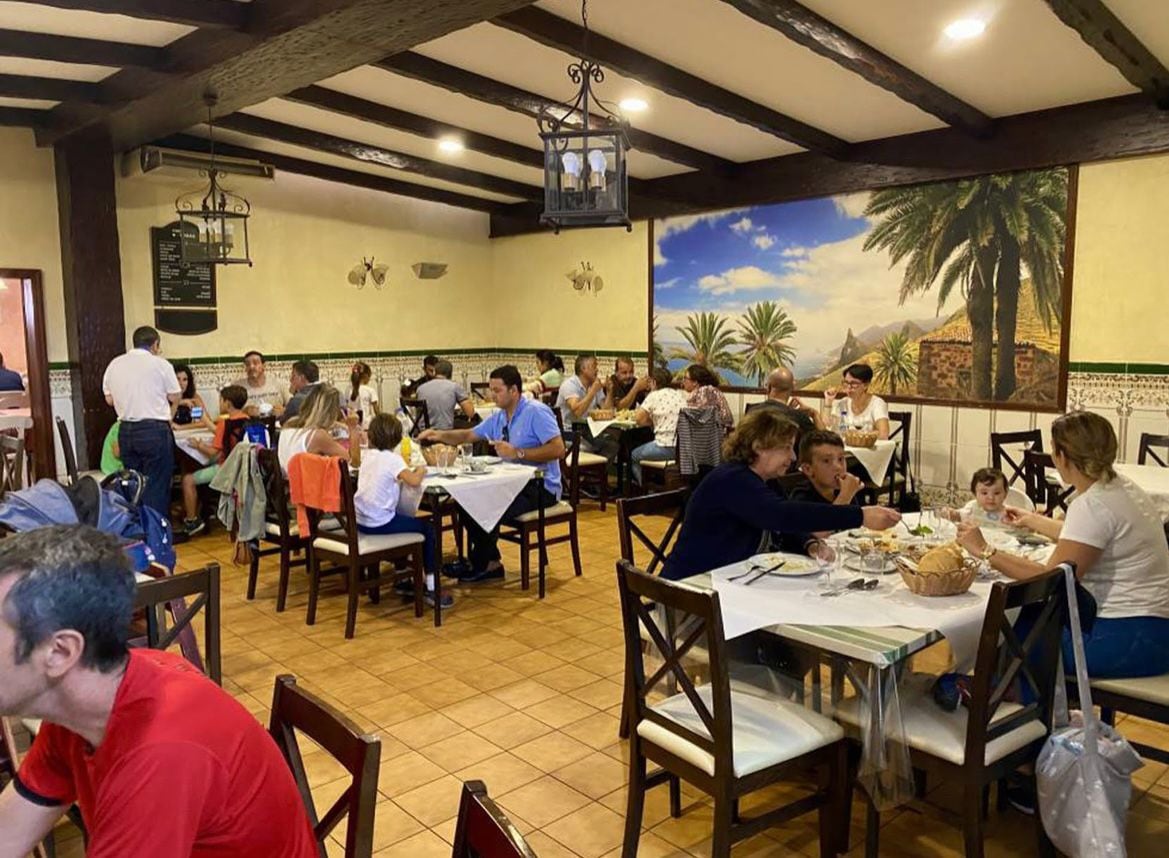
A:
x: 213, y: 220
x: 585, y: 178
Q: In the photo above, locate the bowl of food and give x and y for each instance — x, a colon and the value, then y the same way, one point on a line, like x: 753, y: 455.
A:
x: 860, y: 437
x: 941, y: 571
x: 603, y: 414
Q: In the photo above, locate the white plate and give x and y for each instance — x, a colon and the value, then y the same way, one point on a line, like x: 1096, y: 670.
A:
x: 853, y: 562
x: 793, y: 567
x: 489, y: 460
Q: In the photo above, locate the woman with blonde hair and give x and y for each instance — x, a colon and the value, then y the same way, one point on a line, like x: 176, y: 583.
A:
x: 311, y: 430
x: 1114, y: 535
x: 734, y: 505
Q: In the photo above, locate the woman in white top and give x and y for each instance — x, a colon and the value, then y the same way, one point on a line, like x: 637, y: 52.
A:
x: 311, y: 430
x: 362, y: 396
x: 1114, y: 535
x: 860, y: 409
x: 659, y: 411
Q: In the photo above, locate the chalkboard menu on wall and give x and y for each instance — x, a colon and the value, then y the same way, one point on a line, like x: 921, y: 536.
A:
x: 184, y: 295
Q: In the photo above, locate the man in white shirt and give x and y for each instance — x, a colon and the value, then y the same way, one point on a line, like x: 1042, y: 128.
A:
x: 143, y: 389
x: 264, y: 394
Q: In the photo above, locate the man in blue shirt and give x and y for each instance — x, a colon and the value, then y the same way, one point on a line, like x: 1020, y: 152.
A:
x: 9, y: 380
x: 523, y: 431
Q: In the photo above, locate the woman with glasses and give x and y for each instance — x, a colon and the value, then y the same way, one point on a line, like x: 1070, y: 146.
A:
x: 857, y: 408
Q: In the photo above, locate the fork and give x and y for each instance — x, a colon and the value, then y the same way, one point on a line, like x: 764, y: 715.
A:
x: 758, y: 572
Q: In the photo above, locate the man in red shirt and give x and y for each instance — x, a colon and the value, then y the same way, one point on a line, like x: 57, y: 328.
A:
x: 161, y: 761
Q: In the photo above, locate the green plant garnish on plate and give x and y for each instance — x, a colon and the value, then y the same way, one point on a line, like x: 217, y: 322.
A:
x: 921, y: 530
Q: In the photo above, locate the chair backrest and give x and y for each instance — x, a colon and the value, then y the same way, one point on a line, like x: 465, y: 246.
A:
x: 549, y: 397
x: 698, y: 441
x: 295, y: 710
x: 570, y: 461
x: 1006, y: 663
x: 1148, y: 450
x: 1005, y: 458
x: 67, y: 449
x: 11, y: 463
x: 901, y: 431
x: 14, y: 399
x: 483, y: 830
x: 676, y: 618
x: 671, y: 504
x: 278, y: 509
x: 346, y: 517
x: 1045, y: 492
x: 481, y: 390
x: 418, y: 413
x: 233, y: 432
x: 169, y: 595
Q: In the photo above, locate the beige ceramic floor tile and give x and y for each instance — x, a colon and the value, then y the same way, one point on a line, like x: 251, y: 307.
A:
x: 477, y: 710
x: 512, y: 730
x: 434, y: 802
x: 559, y: 712
x: 596, y: 775
x: 553, y: 751
x: 542, y: 801
x: 459, y: 750
x: 425, y: 844
x: 590, y: 832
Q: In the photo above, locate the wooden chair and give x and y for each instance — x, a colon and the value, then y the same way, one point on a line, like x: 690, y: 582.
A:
x: 1045, y: 491
x: 896, y: 482
x: 1148, y: 450
x: 359, y: 557
x: 444, y: 517
x: 480, y: 391
x: 11, y: 463
x: 419, y: 414
x: 727, y: 742
x: 483, y: 829
x: 295, y: 710
x: 991, y: 738
x: 280, y: 529
x: 1147, y: 697
x: 670, y: 504
x: 168, y: 596
x: 1004, y: 457
x: 10, y: 758
x: 588, y: 468
x: 528, y: 531
x: 68, y: 451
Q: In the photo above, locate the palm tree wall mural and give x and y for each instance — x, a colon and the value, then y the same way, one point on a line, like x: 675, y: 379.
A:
x: 896, y: 364
x: 765, y: 330
x: 709, y: 339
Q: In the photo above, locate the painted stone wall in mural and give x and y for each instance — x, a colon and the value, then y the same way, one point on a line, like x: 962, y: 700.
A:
x: 950, y: 291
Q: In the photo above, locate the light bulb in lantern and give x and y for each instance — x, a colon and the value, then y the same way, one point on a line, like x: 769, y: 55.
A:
x: 570, y: 178
x: 597, y: 167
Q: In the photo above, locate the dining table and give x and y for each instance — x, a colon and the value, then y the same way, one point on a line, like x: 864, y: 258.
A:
x: 1153, y: 479
x: 875, y: 460
x: 15, y: 418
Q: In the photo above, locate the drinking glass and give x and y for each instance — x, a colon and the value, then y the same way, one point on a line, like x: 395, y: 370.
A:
x: 828, y: 562
x: 466, y: 453
x: 873, y: 562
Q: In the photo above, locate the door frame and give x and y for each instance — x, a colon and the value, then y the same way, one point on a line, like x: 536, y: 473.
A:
x: 44, y: 453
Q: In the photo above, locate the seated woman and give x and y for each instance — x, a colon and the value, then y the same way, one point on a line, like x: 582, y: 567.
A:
x: 860, y: 409
x: 311, y: 430
x: 190, y: 410
x: 732, y: 509
x: 1114, y: 535
x: 551, y: 372
x: 701, y: 386
x: 659, y: 412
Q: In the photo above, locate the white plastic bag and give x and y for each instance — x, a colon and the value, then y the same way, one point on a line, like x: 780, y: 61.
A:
x: 1084, y: 770
x: 409, y: 498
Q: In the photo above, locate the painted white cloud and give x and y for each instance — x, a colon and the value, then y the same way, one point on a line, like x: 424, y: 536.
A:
x: 668, y: 284
x: 763, y: 241
x: 742, y: 225
x: 743, y: 279
x: 673, y: 225
x: 794, y: 252
x: 851, y: 205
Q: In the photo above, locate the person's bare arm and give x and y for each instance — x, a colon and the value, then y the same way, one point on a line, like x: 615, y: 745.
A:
x: 448, y: 436
x: 882, y: 427
x: 412, y: 476
x: 1021, y: 568
x: 549, y: 451
x: 643, y: 418
x: 468, y: 408
x: 24, y: 824
x: 1033, y: 521
x: 628, y: 400
x: 581, y: 405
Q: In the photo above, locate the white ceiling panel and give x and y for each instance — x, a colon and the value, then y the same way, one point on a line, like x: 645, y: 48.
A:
x: 394, y: 90
x: 88, y: 25
x: 506, y: 56
x: 45, y: 68
x: 1149, y: 22
x: 357, y: 130
x: 263, y: 145
x: 34, y: 103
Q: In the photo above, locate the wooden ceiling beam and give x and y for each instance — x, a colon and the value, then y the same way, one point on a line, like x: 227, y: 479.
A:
x: 1095, y: 131
x: 288, y: 44
x: 71, y: 49
x: 48, y: 88
x: 330, y: 173
x: 195, y: 13
x: 369, y: 154
x: 556, y: 32
x: 22, y: 117
x: 820, y: 35
x: 485, y: 89
x: 1111, y: 39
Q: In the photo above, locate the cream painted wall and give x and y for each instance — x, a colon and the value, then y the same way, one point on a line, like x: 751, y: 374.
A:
x: 540, y: 309
x: 29, y: 231
x: 305, y: 236
x: 1121, y: 274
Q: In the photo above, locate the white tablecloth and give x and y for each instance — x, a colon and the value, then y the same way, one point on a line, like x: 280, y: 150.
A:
x: 875, y: 460
x: 185, y: 438
x: 484, y: 497
x: 599, y: 426
x: 16, y: 418
x: 1154, y: 480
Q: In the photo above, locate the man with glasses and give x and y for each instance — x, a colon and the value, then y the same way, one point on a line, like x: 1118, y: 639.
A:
x: 523, y: 431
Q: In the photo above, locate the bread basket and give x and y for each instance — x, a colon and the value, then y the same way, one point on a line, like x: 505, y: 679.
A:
x: 860, y: 437
x: 950, y: 583
x: 603, y: 414
x: 441, y: 455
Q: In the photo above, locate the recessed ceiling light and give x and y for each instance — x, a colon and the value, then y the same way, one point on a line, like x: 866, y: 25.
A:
x: 632, y: 105
x: 450, y: 145
x: 965, y: 28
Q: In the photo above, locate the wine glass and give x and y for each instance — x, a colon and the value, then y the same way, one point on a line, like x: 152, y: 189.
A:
x: 827, y: 561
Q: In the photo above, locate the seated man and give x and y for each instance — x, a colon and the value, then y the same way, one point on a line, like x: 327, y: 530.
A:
x: 781, y: 395
x: 302, y: 380
x: 442, y: 397
x: 626, y: 390
x: 265, y: 395
x: 232, y: 400
x: 159, y: 758
x: 9, y: 379
x: 825, y: 468
x: 428, y: 369
x: 521, y: 430
x: 580, y: 393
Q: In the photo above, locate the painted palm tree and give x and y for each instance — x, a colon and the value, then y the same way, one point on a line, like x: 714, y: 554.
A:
x: 895, y: 364
x: 709, y: 339
x: 764, y: 329
x: 657, y: 355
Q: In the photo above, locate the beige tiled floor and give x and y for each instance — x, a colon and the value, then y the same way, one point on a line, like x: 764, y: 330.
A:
x: 524, y: 695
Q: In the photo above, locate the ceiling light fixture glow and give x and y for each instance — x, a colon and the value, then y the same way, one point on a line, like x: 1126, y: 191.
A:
x: 450, y: 145
x: 965, y: 28
x: 632, y: 105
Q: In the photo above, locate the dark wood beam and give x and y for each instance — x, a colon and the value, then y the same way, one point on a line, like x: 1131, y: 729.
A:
x: 556, y: 32
x: 22, y: 117
x: 48, y: 88
x: 288, y: 44
x: 401, y: 120
x: 330, y: 173
x: 1095, y: 131
x: 1111, y: 39
x: 485, y: 89
x: 820, y: 35
x: 71, y: 49
x: 194, y: 13
x: 293, y: 135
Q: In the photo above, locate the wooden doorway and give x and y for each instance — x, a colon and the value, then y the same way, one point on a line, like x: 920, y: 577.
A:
x: 27, y: 286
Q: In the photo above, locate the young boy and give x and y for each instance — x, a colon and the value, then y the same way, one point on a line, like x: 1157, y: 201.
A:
x: 989, y: 487
x: 824, y: 464
x: 232, y: 400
